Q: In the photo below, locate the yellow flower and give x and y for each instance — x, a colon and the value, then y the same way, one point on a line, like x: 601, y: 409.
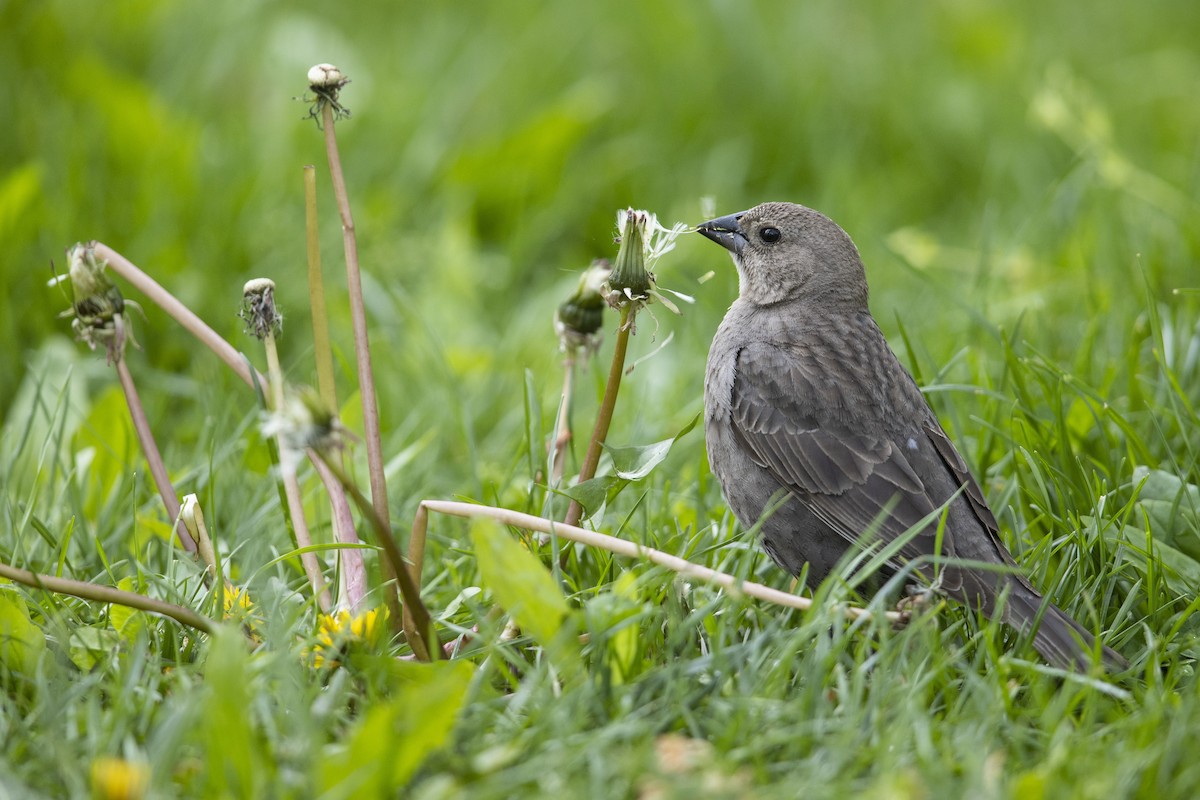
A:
x: 338, y: 632
x: 239, y: 608
x: 118, y: 779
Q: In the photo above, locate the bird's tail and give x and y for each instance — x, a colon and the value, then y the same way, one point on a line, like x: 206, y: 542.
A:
x: 1061, y: 640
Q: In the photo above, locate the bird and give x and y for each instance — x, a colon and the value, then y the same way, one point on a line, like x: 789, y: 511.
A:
x: 817, y: 433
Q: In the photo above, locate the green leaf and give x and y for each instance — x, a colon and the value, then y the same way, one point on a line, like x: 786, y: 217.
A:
x: 87, y: 645
x: 635, y: 463
x: 1158, y: 484
x: 127, y: 621
x: 593, y: 494
x: 1172, y: 509
x: 380, y: 755
x: 519, y: 581
x: 234, y: 743
x: 629, y: 464
x: 1181, y: 571
x: 21, y: 641
x: 612, y: 618
x: 105, y: 442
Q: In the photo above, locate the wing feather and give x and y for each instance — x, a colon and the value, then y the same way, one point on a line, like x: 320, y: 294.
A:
x: 848, y: 479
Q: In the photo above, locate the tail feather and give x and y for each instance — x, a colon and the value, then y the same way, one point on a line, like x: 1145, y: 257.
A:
x: 1059, y: 639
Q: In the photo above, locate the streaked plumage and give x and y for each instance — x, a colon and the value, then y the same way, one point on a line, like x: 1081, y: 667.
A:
x: 804, y: 399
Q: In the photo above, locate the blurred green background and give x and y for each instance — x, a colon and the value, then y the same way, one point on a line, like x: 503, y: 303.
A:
x: 990, y: 159
x: 1022, y: 180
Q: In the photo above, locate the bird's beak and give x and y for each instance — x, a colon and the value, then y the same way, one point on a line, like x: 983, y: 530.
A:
x: 725, y: 231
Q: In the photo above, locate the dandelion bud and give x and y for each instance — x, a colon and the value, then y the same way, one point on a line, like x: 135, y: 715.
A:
x: 577, y: 321
x: 630, y: 280
x: 643, y: 241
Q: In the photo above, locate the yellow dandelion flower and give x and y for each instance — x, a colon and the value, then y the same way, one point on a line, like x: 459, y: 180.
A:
x: 118, y: 779
x: 238, y: 604
x: 338, y: 632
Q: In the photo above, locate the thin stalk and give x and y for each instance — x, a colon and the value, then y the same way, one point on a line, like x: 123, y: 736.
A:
x: 362, y: 346
x: 291, y: 487
x: 178, y: 311
x: 422, y: 638
x: 629, y: 549
x: 353, y: 573
x: 150, y: 449
x: 322, y: 352
x: 604, y: 415
x: 562, y: 424
x: 309, y: 559
x: 416, y: 559
x: 107, y: 594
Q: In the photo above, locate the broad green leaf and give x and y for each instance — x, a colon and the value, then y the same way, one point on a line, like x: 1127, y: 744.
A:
x: 635, y: 463
x: 21, y: 641
x: 380, y: 755
x: 629, y: 464
x: 519, y: 581
x: 1181, y: 571
x: 88, y: 645
x: 127, y: 621
x: 1172, y: 508
x: 106, y: 437
x: 1158, y: 484
x: 593, y: 494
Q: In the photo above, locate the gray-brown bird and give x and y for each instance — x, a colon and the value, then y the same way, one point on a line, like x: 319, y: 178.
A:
x: 809, y: 411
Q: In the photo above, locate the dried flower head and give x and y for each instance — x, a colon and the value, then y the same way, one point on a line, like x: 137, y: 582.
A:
x: 303, y: 422
x: 96, y: 304
x: 643, y: 241
x: 578, y: 320
x: 326, y: 82
x: 326, y: 76
x: 258, y: 310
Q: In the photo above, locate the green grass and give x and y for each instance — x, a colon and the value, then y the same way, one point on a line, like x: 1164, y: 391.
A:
x: 1021, y: 180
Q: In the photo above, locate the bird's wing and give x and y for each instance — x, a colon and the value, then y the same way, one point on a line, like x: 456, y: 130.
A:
x: 848, y: 479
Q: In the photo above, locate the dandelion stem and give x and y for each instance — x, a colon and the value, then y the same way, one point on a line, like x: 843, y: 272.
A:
x: 312, y: 567
x: 291, y: 485
x: 322, y: 351
x: 107, y: 594
x: 629, y: 549
x: 354, y: 570
x: 158, y: 469
x: 562, y: 423
x: 178, y: 311
x: 362, y: 347
x: 604, y: 415
x: 422, y: 638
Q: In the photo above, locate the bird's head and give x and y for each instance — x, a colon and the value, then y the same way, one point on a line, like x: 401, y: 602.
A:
x: 785, y: 251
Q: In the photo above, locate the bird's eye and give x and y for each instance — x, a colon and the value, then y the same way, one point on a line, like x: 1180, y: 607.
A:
x: 770, y: 235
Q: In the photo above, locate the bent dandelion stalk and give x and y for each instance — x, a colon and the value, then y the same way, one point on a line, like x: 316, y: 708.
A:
x: 99, y: 320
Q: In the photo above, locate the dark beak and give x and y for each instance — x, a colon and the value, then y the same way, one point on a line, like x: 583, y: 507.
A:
x: 725, y: 232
